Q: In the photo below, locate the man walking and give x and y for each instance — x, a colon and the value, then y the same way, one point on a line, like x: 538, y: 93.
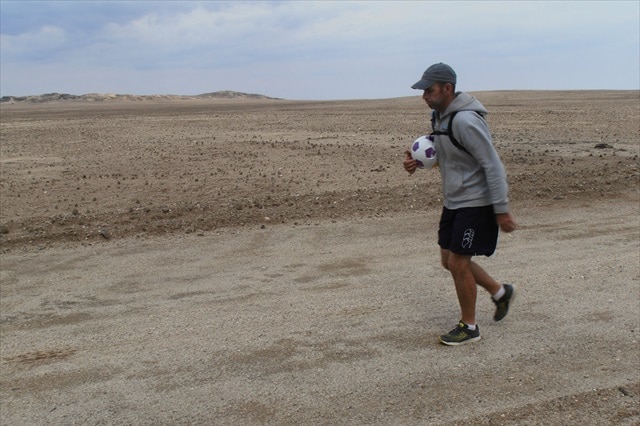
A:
x: 475, y: 196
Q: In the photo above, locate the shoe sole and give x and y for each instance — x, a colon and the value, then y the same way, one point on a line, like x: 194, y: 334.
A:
x: 464, y: 342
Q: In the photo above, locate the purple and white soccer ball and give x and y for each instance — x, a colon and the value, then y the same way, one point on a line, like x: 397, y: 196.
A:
x: 423, y: 150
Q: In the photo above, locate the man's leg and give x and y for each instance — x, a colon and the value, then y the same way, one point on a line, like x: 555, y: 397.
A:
x: 461, y: 271
x: 460, y: 267
x: 481, y: 277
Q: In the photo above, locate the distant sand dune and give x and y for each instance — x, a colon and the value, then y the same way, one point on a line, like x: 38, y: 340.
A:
x: 102, y: 97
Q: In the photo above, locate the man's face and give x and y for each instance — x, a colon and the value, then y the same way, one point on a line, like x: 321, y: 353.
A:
x: 436, y: 96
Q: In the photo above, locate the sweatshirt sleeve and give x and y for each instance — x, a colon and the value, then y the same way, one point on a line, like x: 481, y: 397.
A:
x: 474, y: 128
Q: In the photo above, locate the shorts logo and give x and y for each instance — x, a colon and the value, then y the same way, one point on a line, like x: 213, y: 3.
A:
x: 467, y: 238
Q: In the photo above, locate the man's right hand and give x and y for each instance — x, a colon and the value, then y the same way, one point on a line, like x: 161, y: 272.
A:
x: 410, y: 165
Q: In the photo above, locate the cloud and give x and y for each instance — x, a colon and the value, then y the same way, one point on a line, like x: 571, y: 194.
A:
x: 33, y: 46
x: 315, y: 49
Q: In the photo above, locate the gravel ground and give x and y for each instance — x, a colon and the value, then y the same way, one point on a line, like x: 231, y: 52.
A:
x: 269, y: 262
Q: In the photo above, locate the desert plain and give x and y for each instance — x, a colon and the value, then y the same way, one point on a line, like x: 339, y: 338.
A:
x: 266, y: 261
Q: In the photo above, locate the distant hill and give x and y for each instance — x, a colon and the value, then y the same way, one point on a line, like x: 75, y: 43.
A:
x: 97, y: 97
x: 228, y: 94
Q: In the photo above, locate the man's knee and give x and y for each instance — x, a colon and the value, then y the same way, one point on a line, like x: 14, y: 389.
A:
x: 457, y: 262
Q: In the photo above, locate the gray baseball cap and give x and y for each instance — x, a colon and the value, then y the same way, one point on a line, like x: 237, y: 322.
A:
x: 436, y: 73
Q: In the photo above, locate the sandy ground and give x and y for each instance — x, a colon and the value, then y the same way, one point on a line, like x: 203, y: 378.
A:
x: 269, y: 262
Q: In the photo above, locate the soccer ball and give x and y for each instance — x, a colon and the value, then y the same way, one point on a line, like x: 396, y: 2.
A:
x: 423, y: 150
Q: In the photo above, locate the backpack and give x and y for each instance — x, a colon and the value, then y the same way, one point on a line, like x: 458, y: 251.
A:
x: 449, y: 131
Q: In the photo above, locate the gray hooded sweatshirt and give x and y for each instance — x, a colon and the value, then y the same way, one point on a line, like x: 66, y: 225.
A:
x: 476, y: 178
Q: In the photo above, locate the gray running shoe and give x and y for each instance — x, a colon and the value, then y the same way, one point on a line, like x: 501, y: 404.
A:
x: 502, y: 305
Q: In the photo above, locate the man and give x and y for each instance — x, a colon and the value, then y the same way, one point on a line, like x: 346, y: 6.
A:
x: 475, y: 197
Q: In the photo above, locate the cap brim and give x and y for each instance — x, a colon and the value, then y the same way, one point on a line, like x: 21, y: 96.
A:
x: 423, y: 84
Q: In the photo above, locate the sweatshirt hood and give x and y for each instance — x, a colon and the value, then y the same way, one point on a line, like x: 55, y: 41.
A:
x: 465, y: 102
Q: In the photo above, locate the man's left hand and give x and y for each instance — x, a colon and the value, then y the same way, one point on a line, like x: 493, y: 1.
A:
x: 506, y: 222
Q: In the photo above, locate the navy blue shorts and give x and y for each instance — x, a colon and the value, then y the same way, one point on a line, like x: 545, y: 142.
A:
x: 469, y: 231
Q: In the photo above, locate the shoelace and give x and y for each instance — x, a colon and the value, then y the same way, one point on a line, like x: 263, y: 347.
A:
x: 457, y: 330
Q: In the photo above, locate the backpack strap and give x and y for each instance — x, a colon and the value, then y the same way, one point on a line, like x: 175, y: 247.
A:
x: 449, y: 131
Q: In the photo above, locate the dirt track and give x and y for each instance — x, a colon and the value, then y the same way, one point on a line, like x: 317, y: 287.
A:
x: 243, y: 263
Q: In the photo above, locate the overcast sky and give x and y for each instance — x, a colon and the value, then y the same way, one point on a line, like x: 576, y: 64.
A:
x: 314, y: 50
